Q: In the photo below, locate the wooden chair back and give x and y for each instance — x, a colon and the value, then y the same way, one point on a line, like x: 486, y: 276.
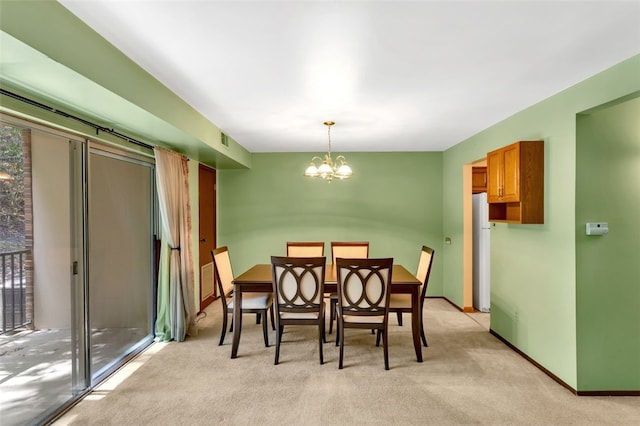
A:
x: 224, y: 273
x: 424, y: 268
x: 298, y: 283
x: 305, y: 248
x: 363, y: 287
x: 349, y: 250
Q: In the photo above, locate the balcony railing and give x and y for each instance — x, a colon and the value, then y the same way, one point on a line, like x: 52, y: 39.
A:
x: 13, y: 294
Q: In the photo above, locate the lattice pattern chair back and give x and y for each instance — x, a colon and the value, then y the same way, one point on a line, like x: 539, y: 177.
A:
x: 298, y: 283
x: 305, y: 249
x: 364, y: 286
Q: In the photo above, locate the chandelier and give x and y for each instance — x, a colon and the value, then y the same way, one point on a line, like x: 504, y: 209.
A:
x: 328, y: 169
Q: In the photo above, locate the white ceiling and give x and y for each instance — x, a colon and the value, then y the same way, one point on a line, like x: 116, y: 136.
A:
x: 394, y: 75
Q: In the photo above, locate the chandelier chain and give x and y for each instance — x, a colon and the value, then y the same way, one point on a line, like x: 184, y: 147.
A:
x: 329, y: 124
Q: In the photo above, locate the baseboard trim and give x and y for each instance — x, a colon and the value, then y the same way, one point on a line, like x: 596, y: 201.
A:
x: 532, y: 361
x: 609, y: 393
x: 543, y: 369
x: 466, y: 309
x: 560, y: 381
x: 450, y: 302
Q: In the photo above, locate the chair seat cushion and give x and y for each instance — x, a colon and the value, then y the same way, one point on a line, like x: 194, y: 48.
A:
x: 378, y: 319
x: 253, y: 301
x: 299, y: 315
x: 399, y: 300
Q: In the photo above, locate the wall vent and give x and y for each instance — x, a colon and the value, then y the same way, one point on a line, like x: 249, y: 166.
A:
x: 224, y: 139
x: 207, y: 285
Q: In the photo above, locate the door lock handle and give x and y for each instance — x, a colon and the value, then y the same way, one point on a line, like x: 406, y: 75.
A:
x: 203, y: 240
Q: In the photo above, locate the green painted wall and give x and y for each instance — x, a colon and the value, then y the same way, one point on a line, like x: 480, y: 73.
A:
x: 533, y: 267
x: 394, y: 201
x: 608, y: 272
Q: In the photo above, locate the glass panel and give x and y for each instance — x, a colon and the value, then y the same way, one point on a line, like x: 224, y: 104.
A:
x: 120, y: 257
x: 12, y: 232
x: 36, y: 369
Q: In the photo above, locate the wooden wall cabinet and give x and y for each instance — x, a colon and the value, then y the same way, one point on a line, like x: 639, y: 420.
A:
x: 478, y: 179
x: 515, y: 183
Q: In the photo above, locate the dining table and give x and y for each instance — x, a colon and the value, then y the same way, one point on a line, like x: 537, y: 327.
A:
x: 258, y: 279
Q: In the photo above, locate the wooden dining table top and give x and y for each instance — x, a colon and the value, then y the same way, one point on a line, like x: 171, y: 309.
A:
x: 261, y: 273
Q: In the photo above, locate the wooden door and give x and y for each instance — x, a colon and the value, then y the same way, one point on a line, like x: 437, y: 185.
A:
x: 478, y: 179
x: 207, y: 233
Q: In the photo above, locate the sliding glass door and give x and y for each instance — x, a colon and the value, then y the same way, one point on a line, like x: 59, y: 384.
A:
x: 121, y: 236
x: 77, y: 287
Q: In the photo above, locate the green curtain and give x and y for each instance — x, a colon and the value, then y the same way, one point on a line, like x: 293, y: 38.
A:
x: 163, y: 320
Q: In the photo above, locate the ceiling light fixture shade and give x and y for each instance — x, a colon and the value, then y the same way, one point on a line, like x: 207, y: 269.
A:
x: 328, y: 169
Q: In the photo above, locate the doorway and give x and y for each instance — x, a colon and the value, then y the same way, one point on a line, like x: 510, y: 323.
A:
x: 207, y: 233
x: 476, y: 292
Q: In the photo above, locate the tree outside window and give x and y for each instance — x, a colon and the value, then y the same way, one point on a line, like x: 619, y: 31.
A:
x: 12, y: 217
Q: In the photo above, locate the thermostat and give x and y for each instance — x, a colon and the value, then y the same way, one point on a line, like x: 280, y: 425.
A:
x: 597, y: 228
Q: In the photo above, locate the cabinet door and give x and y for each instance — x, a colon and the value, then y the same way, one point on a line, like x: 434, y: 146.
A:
x: 479, y: 179
x: 494, y: 176
x: 511, y: 176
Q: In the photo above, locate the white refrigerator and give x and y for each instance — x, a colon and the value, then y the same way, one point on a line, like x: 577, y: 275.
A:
x: 481, y: 253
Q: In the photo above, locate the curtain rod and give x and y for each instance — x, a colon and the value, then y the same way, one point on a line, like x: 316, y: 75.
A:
x: 98, y: 127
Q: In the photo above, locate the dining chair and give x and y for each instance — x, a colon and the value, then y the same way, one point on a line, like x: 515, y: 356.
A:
x: 257, y: 303
x: 401, y: 303
x: 350, y: 250
x: 305, y: 248
x: 298, y: 285
x: 363, y: 298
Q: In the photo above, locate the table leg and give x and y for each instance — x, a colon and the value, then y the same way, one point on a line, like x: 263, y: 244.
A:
x: 415, y: 322
x: 237, y: 320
